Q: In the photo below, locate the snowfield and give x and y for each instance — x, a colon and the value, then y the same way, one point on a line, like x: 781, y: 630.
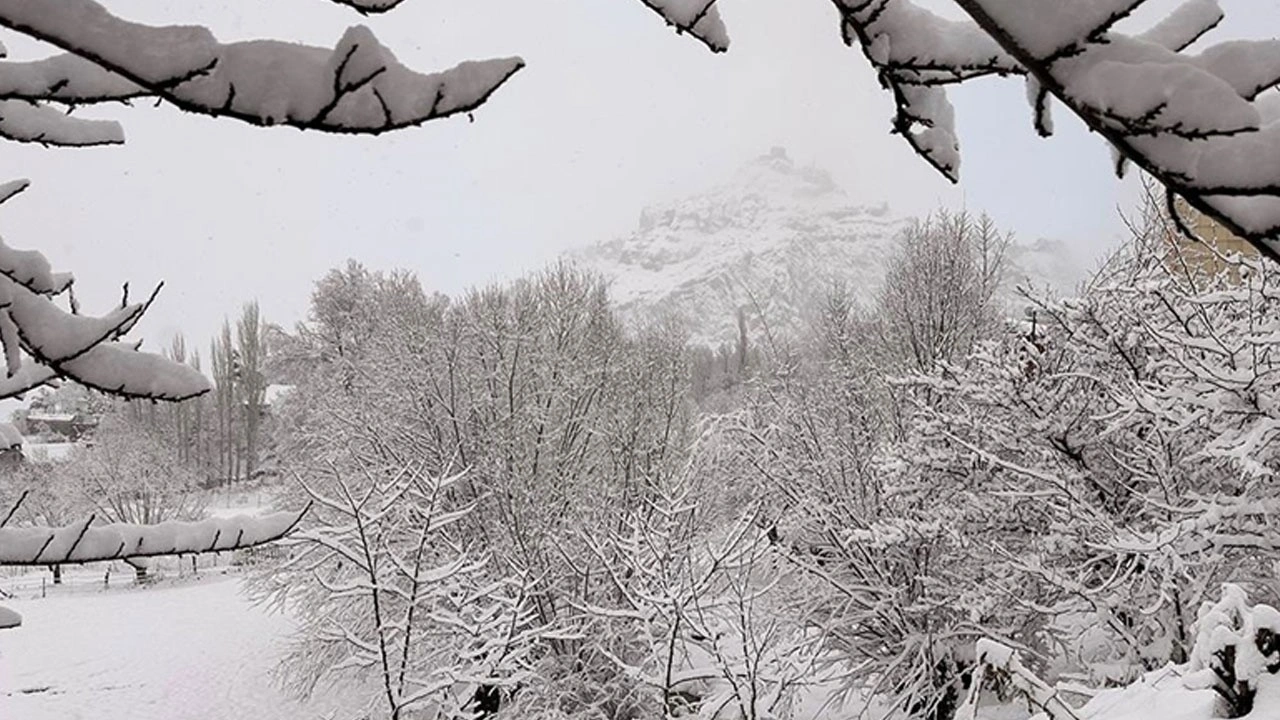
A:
x: 200, y: 651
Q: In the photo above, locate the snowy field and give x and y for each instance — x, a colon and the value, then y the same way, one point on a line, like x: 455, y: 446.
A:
x: 198, y: 650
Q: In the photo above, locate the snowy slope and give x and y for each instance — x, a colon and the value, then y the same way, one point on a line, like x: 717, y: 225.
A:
x: 770, y: 240
x: 190, y: 652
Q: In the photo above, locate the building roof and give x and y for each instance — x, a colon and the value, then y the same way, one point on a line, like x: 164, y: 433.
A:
x: 51, y: 417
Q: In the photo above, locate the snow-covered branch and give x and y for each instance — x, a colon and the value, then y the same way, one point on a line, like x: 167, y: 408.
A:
x: 1003, y: 660
x: 43, y: 342
x: 370, y: 7
x: 915, y: 53
x: 84, y: 542
x: 386, y: 583
x: 1206, y: 123
x: 356, y: 87
x: 699, y: 18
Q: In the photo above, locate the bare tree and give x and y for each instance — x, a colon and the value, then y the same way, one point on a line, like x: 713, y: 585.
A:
x: 940, y: 292
x: 390, y: 587
x: 696, y: 613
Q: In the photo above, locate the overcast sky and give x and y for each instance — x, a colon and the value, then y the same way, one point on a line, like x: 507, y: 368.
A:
x: 613, y: 112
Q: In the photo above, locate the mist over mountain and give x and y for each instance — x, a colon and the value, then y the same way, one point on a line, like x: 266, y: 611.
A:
x: 770, y: 241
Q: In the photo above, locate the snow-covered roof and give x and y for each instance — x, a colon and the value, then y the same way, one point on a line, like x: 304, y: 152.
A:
x: 50, y: 417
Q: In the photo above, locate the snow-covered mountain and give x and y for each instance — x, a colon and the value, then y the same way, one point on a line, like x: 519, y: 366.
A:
x: 770, y: 241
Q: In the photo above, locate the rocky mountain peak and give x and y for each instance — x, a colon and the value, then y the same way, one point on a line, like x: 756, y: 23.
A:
x: 768, y: 241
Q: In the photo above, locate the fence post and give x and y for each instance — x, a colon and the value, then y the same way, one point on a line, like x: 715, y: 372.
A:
x: 42, y: 584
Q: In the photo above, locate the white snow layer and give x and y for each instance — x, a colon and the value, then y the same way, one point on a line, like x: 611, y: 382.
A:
x: 63, y: 77
x: 30, y: 269
x: 122, y: 369
x: 1185, y: 24
x: 26, y: 122
x: 192, y: 652
x: 1049, y: 27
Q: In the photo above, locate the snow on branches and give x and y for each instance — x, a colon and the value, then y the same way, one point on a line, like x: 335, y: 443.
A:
x: 699, y: 18
x: 1231, y: 672
x: 370, y: 7
x: 387, y: 584
x: 695, y: 617
x: 357, y: 87
x: 42, y: 342
x: 84, y: 542
x: 1206, y: 123
x: 1114, y: 455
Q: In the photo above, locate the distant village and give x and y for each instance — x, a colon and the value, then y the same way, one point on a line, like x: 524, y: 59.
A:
x: 58, y: 421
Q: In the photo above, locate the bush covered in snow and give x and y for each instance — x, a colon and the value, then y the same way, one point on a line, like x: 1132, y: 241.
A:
x: 1231, y: 673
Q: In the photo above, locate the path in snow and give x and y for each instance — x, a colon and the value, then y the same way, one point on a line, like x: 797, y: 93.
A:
x: 190, y: 652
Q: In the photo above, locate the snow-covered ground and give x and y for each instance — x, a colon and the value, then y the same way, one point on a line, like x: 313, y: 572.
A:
x: 199, y: 650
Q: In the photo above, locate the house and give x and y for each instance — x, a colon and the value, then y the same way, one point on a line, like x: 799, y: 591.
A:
x: 67, y: 427
x: 1218, y: 242
x: 15, y: 448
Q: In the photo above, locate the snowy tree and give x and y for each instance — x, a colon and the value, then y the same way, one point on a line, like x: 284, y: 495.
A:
x: 563, y: 417
x: 1072, y: 486
x: 1108, y: 463
x: 251, y: 382
x: 697, y: 613
x: 131, y: 474
x: 226, y: 417
x: 389, y: 591
x: 356, y: 87
x: 940, y: 292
